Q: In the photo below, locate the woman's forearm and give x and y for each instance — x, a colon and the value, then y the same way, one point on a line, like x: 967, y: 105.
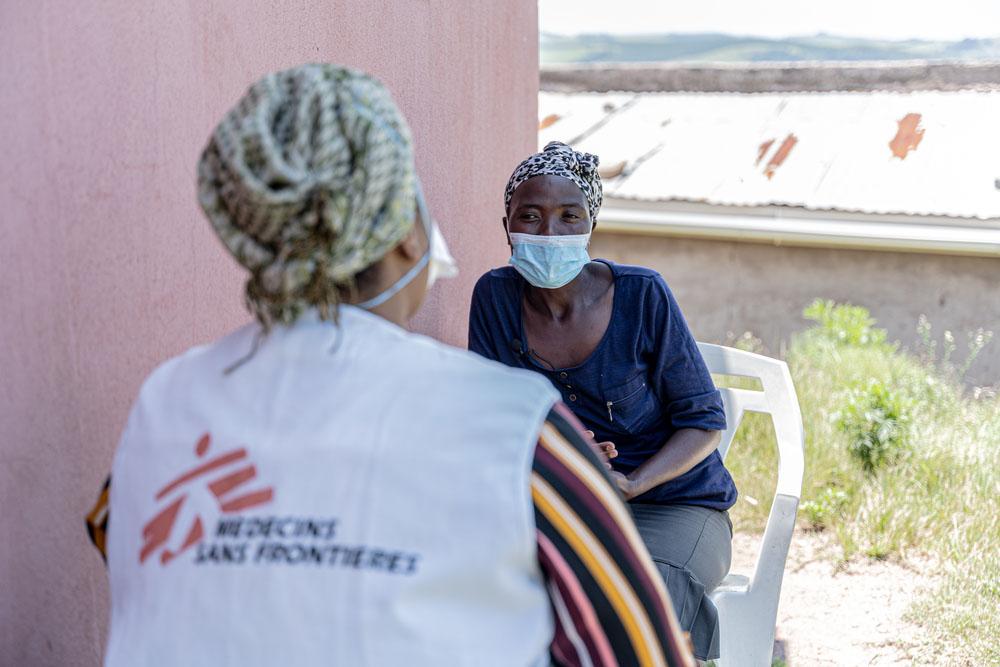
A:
x: 684, y: 450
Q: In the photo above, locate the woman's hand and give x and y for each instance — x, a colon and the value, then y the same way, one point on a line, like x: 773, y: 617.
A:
x: 625, y: 485
x: 683, y: 451
x: 607, y: 448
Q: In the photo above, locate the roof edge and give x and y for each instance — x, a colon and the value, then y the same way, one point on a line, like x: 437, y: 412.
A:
x: 816, y: 232
x: 901, y: 76
x: 730, y: 207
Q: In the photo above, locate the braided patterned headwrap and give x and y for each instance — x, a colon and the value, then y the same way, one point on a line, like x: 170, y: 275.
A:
x: 558, y: 159
x: 308, y: 180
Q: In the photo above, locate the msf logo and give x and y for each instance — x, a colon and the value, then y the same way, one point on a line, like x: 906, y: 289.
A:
x: 224, y: 476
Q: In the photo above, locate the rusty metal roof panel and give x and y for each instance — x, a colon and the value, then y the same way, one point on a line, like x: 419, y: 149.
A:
x: 578, y: 116
x: 926, y: 153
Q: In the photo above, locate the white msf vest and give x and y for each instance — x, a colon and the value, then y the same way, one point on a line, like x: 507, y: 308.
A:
x: 352, y: 495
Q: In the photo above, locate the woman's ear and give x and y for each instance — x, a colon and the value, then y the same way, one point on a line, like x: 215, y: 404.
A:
x: 503, y: 221
x: 412, y: 247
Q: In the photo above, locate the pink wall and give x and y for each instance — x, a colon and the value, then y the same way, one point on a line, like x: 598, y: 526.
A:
x: 107, y: 266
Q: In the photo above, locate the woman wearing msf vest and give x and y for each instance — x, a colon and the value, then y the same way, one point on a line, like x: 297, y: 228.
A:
x: 324, y: 487
x: 612, y: 340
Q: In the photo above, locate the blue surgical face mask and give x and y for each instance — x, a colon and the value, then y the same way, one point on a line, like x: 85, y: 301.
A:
x: 549, y: 261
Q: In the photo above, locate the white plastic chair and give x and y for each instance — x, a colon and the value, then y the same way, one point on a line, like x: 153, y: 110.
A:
x: 748, y: 607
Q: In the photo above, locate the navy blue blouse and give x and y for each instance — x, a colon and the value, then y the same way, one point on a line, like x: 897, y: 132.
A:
x: 645, y: 379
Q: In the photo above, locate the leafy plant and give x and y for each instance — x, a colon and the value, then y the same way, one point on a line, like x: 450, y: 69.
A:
x: 845, y: 324
x: 875, y: 420
x: 824, y: 508
x: 938, y: 501
x: 747, y: 342
x: 975, y: 342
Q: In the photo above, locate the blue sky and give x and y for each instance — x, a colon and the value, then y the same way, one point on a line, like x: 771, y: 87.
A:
x: 879, y: 19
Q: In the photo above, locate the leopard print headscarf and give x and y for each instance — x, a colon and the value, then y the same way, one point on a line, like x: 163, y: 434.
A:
x: 558, y: 159
x: 308, y: 180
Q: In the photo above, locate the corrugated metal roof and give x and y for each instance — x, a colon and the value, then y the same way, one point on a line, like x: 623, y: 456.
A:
x: 822, y: 151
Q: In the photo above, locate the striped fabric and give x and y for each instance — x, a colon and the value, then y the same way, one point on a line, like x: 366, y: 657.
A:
x: 611, y: 606
x: 97, y: 520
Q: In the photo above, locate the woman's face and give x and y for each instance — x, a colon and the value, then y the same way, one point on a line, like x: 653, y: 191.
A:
x: 548, y: 206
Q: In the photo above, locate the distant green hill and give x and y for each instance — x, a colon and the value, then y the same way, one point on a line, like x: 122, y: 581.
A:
x: 710, y: 47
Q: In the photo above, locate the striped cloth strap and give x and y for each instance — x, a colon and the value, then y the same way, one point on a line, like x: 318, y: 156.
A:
x: 610, y: 604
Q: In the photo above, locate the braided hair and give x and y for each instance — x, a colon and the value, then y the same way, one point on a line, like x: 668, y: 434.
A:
x: 308, y: 181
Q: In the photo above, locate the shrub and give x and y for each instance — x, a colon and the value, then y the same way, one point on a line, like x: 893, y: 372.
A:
x: 827, y: 505
x: 875, y: 420
x: 747, y: 342
x: 845, y: 324
x: 943, y: 363
x: 938, y: 501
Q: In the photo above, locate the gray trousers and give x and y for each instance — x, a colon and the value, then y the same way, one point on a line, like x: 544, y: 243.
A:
x: 692, y: 548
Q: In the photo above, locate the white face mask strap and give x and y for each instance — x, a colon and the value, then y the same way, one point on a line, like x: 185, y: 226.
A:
x: 407, y: 277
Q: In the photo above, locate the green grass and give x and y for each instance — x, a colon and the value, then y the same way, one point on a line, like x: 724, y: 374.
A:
x: 935, y: 497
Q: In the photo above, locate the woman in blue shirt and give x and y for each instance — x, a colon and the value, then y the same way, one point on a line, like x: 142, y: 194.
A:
x: 613, y: 340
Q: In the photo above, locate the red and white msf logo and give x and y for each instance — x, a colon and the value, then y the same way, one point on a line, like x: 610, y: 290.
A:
x: 230, y: 472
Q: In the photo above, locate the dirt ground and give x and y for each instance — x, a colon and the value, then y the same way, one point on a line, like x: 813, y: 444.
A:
x: 843, y: 615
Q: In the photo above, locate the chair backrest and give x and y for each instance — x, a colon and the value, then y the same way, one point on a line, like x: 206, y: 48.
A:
x: 748, y: 606
x: 777, y: 398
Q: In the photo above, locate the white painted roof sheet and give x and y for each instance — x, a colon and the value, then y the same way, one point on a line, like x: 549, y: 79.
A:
x: 717, y: 147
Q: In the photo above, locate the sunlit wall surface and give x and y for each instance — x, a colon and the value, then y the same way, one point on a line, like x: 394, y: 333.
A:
x: 107, y: 266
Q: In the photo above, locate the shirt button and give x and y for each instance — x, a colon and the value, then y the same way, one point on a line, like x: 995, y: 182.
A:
x: 572, y: 397
x: 563, y: 376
